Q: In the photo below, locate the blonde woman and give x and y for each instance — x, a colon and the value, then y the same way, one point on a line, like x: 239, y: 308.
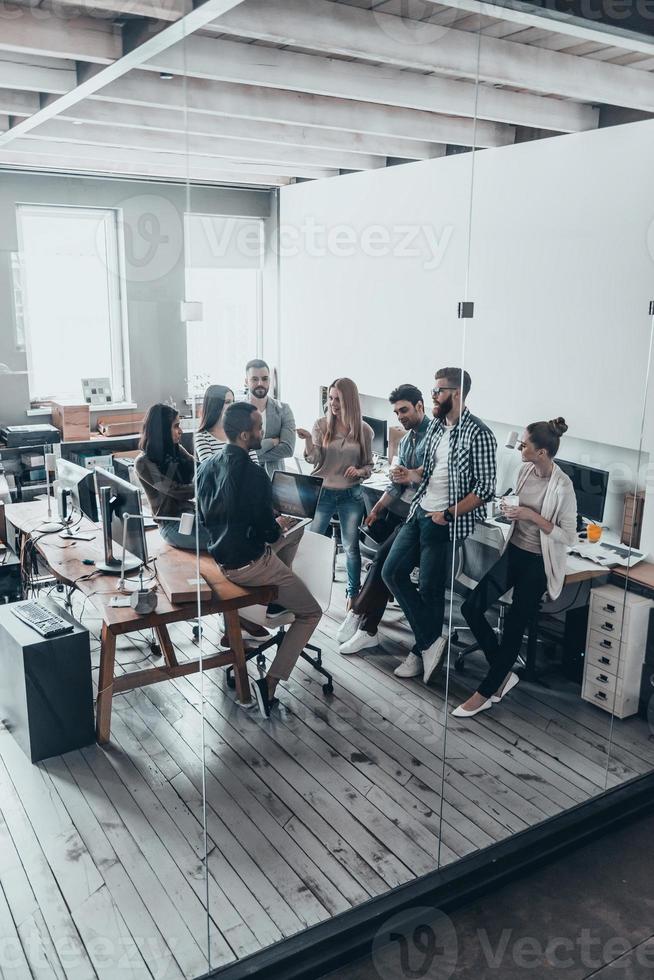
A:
x: 340, y: 447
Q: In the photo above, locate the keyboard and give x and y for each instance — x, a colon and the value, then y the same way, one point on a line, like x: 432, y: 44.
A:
x: 622, y: 552
x: 41, y: 619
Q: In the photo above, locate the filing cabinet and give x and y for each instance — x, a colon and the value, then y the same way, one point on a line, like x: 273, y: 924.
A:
x: 615, y: 649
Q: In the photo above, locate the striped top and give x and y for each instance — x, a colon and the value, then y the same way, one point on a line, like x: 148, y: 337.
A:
x: 206, y: 446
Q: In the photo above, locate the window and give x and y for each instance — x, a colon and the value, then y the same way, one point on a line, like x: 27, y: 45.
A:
x: 223, y: 273
x: 71, y: 278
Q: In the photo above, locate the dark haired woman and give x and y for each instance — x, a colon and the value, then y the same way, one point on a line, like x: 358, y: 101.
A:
x: 166, y: 472
x: 533, y: 561
x: 210, y: 437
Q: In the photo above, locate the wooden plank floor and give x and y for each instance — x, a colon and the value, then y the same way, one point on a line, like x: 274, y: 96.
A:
x: 331, y: 802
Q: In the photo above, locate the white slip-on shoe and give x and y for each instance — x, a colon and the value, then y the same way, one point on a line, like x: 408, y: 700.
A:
x: 348, y: 627
x: 360, y: 641
x: 433, y: 657
x: 462, y: 712
x: 412, y: 667
x: 510, y: 684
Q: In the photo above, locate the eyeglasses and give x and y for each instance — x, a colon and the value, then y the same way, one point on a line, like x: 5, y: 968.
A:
x: 435, y: 392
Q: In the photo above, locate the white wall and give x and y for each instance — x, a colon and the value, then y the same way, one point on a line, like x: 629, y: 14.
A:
x: 561, y: 272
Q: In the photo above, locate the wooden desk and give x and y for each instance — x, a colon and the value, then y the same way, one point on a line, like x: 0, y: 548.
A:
x: 641, y: 574
x: 65, y: 559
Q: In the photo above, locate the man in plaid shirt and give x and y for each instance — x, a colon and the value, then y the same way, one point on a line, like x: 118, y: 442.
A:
x: 456, y: 480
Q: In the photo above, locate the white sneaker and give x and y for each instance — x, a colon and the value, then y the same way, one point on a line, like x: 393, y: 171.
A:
x: 348, y: 627
x: 412, y: 667
x: 433, y: 657
x: 360, y: 641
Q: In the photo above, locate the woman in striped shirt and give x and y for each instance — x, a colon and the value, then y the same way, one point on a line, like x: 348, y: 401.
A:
x: 210, y: 437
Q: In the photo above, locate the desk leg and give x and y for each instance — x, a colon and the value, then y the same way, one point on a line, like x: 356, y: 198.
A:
x: 233, y: 626
x: 105, y: 686
x: 166, y: 645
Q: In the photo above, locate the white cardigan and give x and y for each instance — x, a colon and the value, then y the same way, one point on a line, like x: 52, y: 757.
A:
x: 559, y: 507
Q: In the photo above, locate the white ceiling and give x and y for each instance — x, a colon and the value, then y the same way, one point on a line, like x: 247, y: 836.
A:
x: 264, y: 92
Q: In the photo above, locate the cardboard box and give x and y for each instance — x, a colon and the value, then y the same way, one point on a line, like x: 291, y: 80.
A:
x: 121, y: 424
x: 73, y: 421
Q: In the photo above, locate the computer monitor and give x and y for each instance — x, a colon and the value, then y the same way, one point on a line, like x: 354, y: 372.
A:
x: 590, y: 487
x: 79, y: 486
x: 118, y: 497
x: 380, y: 434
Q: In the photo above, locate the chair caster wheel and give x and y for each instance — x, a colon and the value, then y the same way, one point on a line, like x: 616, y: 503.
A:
x: 460, y: 665
x: 231, y: 683
x: 454, y: 638
x: 196, y: 632
x: 155, y: 649
x: 328, y: 689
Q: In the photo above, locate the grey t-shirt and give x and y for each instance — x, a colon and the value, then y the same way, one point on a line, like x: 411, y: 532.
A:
x: 532, y: 494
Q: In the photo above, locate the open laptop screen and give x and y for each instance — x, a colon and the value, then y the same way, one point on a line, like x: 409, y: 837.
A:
x: 295, y: 495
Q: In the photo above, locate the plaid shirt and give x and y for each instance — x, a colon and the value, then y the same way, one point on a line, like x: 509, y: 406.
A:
x: 471, y: 468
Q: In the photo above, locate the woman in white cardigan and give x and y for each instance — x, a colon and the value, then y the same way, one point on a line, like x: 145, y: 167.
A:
x: 533, y: 561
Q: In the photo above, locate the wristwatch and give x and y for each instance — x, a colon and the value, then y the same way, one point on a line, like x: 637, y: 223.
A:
x: 448, y: 515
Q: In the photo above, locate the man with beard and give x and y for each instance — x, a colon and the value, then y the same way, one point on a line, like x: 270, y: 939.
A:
x: 359, y: 629
x: 455, y: 482
x: 278, y: 422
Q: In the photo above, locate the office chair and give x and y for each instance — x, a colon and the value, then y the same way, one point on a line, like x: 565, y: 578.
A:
x: 477, y: 555
x: 313, y: 565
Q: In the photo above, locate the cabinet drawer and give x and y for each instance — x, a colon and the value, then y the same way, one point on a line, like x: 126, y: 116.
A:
x: 600, y: 660
x: 607, y: 623
x: 620, y: 705
x: 603, y: 679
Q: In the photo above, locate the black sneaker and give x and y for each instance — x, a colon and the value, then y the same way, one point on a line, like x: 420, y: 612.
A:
x: 260, y: 691
x: 275, y: 611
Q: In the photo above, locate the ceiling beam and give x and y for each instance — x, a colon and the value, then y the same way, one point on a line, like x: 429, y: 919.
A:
x: 197, y: 18
x: 4, y: 123
x: 18, y: 103
x: 331, y: 28
x: 249, y: 64
x: 294, y: 158
x: 281, y: 106
x: 165, y: 10
x: 558, y: 22
x: 202, y: 124
x: 22, y: 76
x: 68, y: 164
x: 178, y: 158
x: 76, y: 38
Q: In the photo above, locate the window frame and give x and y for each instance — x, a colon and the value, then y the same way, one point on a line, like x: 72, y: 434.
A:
x: 112, y: 222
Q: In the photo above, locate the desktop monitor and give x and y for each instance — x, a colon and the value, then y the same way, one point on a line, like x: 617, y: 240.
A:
x: 590, y: 487
x: 79, y: 484
x: 380, y: 434
x: 118, y: 497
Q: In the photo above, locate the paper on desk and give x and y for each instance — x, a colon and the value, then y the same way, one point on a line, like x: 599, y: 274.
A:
x: 607, y: 555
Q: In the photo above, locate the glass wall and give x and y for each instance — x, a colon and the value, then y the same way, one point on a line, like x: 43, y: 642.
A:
x: 276, y: 726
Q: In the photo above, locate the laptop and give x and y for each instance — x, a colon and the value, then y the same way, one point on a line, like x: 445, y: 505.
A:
x: 295, y: 496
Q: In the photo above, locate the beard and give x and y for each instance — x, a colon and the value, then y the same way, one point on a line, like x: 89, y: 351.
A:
x: 259, y: 391
x: 441, y: 409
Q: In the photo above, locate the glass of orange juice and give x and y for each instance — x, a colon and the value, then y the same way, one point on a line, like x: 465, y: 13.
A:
x: 594, y: 533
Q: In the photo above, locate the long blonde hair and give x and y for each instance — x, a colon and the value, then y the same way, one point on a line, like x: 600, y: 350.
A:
x: 350, y: 412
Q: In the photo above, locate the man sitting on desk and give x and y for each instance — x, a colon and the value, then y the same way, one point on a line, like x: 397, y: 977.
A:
x: 247, y: 541
x: 359, y: 629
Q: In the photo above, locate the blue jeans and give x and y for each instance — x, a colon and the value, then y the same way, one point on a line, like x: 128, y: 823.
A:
x: 348, y: 505
x: 170, y: 533
x: 424, y: 545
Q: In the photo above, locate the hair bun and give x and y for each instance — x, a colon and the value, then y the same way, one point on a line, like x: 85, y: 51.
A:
x: 559, y: 426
